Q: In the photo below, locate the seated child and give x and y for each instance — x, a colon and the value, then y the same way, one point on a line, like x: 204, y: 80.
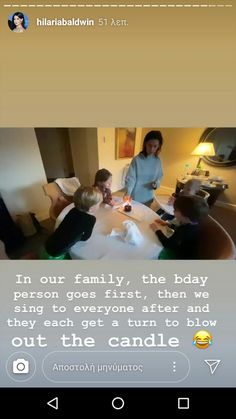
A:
x: 77, y: 225
x: 191, y: 187
x: 103, y: 180
x: 183, y: 244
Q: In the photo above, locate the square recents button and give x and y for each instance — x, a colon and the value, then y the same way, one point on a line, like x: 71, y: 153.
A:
x: 183, y: 402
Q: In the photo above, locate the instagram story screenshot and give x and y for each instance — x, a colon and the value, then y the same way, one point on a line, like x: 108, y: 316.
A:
x: 117, y: 208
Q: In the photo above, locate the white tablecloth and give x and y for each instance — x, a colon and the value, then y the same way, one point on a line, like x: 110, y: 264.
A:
x: 101, y: 246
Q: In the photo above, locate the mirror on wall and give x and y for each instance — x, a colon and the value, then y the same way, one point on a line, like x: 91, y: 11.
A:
x: 224, y: 140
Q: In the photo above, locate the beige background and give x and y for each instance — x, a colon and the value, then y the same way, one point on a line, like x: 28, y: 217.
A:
x: 168, y: 67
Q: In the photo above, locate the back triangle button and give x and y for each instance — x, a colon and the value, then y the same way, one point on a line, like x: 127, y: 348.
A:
x: 53, y: 403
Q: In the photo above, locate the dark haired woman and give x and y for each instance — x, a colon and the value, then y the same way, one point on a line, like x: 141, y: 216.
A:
x: 18, y: 22
x: 145, y: 171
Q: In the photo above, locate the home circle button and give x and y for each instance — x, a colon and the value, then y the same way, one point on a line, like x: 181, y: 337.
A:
x: 118, y: 403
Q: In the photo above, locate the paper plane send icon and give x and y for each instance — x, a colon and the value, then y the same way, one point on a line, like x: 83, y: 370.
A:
x: 53, y: 403
x: 213, y: 364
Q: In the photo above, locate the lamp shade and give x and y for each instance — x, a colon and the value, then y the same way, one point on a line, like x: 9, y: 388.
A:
x: 204, y: 149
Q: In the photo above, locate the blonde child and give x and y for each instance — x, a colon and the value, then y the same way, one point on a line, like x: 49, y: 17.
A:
x: 77, y: 225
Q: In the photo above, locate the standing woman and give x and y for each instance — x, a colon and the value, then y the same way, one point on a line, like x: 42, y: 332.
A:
x: 18, y: 22
x: 145, y: 171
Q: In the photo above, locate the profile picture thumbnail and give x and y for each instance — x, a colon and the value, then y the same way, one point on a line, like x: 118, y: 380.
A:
x: 18, y: 22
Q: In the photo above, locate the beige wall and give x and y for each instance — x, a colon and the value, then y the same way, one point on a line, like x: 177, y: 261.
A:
x: 22, y: 173
x: 176, y: 153
x: 107, y: 155
x: 84, y: 150
x: 54, y: 147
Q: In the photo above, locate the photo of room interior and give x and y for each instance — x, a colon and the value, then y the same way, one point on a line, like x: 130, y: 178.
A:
x: 42, y: 167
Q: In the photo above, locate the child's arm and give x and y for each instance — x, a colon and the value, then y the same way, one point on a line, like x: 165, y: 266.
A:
x: 163, y: 239
x: 157, y: 229
x: 87, y: 233
x: 162, y: 222
x: 107, y: 197
x: 73, y: 228
x: 169, y: 242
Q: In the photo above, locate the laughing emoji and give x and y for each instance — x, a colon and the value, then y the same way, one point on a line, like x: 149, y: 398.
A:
x: 202, y: 339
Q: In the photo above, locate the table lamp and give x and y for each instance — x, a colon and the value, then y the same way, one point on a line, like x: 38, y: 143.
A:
x: 202, y: 149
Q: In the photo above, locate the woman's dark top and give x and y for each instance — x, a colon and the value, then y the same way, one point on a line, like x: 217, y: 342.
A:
x: 76, y: 226
x: 184, y: 242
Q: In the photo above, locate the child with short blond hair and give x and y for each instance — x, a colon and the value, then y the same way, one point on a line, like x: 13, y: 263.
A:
x: 77, y: 225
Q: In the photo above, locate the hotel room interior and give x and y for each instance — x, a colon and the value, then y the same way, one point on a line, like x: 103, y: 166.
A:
x: 30, y: 159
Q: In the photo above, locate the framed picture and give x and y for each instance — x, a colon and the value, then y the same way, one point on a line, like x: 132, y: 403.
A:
x: 125, y: 142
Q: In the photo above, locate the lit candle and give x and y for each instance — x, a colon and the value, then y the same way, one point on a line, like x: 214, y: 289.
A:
x: 127, y: 203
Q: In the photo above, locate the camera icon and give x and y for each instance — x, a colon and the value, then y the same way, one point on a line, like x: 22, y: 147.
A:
x: 20, y: 366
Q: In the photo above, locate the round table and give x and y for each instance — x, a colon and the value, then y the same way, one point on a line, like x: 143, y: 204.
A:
x: 103, y: 246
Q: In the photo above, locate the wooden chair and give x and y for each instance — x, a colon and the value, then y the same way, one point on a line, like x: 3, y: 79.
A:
x: 216, y: 243
x: 203, y: 194
x: 162, y: 201
x: 58, y: 199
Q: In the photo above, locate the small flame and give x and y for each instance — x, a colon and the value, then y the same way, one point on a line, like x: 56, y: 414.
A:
x: 127, y: 200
